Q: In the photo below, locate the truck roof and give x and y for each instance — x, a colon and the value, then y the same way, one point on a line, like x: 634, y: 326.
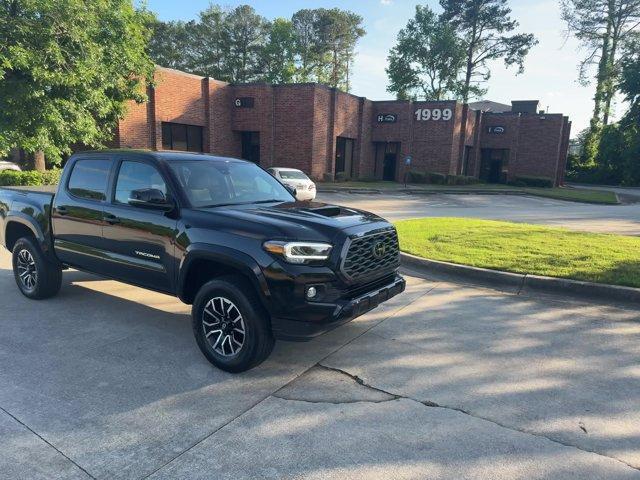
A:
x: 163, y: 155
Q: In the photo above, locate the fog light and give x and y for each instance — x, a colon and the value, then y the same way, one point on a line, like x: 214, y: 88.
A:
x: 311, y: 292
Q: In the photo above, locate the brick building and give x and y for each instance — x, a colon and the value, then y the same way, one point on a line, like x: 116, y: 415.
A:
x: 328, y: 133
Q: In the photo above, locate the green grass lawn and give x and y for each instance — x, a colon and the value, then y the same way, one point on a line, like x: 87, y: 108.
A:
x: 560, y: 193
x: 523, y: 248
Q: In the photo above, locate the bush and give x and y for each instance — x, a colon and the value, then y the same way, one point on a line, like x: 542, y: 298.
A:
x: 532, y: 182
x: 341, y: 177
x: 461, y: 180
x: 416, y: 177
x: 51, y: 177
x: 436, y: 178
x: 29, y: 178
x: 368, y: 178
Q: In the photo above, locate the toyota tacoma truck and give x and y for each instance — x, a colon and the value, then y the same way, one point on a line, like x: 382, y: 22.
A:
x: 219, y: 233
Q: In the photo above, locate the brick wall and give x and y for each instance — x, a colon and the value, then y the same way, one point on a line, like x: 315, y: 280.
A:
x: 299, y: 123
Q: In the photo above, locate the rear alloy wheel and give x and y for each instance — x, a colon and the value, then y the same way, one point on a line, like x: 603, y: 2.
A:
x: 230, y: 325
x: 37, y: 277
x: 27, y: 273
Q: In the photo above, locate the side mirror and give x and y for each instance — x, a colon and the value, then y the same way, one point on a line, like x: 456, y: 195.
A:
x: 292, y: 190
x: 150, y: 198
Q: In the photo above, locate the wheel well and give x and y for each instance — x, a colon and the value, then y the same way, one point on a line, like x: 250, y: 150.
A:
x: 203, y: 270
x: 15, y: 231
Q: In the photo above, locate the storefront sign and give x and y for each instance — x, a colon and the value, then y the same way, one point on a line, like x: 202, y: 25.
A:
x: 387, y: 118
x: 498, y: 130
x: 243, y: 102
x: 435, y: 114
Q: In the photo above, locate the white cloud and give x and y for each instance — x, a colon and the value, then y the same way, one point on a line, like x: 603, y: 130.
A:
x: 386, y: 2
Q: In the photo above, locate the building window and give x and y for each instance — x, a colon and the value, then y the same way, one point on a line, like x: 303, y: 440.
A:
x: 178, y: 136
x: 344, y: 156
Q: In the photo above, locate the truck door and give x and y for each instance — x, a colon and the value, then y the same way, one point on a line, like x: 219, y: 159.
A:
x: 77, y: 213
x: 139, y: 240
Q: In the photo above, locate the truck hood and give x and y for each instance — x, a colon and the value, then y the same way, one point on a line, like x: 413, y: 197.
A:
x: 301, y: 220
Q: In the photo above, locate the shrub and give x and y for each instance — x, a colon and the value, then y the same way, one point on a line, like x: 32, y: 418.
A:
x: 368, y: 178
x: 29, y: 178
x: 532, y: 182
x: 414, y: 176
x: 436, y: 178
x: 461, y: 180
x: 51, y: 177
x: 341, y: 177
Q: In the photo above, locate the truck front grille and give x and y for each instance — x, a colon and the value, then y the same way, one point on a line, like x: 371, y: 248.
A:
x: 371, y: 255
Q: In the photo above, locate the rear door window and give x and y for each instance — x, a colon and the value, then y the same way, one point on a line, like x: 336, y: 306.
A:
x: 89, y: 179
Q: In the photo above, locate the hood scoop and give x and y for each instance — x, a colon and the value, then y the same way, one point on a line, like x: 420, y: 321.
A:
x: 330, y: 211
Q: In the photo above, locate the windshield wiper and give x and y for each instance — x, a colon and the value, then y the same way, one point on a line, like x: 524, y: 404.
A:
x: 270, y: 200
x: 242, y: 203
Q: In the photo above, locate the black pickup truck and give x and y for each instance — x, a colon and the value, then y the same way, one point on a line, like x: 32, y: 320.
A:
x: 220, y: 233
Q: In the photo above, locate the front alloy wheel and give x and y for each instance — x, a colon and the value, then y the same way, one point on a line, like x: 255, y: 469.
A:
x: 230, y: 325
x: 223, y: 326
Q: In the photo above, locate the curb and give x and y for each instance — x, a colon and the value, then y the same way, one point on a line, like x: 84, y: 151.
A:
x: 414, y: 191
x: 525, y: 282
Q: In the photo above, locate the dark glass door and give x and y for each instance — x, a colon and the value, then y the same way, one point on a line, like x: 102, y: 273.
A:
x: 389, y: 166
x: 251, y: 146
x: 493, y: 165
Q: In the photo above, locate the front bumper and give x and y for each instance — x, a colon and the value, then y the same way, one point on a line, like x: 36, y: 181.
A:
x: 322, y: 317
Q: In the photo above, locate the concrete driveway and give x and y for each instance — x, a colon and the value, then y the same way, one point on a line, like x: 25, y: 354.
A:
x: 622, y: 219
x: 445, y: 381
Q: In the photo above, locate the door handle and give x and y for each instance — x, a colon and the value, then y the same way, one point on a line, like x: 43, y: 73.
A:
x: 112, y: 219
x: 61, y: 210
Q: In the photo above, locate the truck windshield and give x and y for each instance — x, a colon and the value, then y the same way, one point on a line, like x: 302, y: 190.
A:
x: 213, y: 183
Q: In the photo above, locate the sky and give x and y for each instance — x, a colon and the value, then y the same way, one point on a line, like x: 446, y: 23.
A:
x: 551, y: 68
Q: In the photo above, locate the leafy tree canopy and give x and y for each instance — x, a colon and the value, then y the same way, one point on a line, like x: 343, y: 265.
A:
x: 428, y: 60
x: 66, y: 71
x: 485, y: 27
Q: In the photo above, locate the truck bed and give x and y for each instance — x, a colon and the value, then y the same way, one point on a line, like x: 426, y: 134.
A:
x: 29, y: 206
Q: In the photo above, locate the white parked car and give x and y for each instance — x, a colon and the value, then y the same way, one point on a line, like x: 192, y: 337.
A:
x: 4, y: 165
x: 291, y: 177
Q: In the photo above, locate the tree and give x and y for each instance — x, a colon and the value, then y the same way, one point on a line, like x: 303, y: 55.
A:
x: 239, y: 45
x: 484, y: 26
x: 170, y: 44
x: 306, y: 40
x: 428, y: 60
x: 210, y: 44
x: 603, y: 27
x: 246, y: 32
x: 67, y: 70
x: 338, y: 33
x: 278, y: 55
x: 617, y: 146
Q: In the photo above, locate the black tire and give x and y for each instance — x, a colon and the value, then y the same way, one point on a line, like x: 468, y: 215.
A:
x: 42, y: 278
x: 235, y: 294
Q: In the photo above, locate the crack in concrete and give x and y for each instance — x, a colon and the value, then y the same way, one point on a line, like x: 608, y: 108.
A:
x: 431, y: 404
x: 47, y: 442
x: 326, y: 402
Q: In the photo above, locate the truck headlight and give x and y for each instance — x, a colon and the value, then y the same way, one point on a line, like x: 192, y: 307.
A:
x: 299, y: 252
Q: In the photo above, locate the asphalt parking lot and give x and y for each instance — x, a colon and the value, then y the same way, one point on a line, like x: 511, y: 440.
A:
x: 444, y: 381
x: 622, y: 219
